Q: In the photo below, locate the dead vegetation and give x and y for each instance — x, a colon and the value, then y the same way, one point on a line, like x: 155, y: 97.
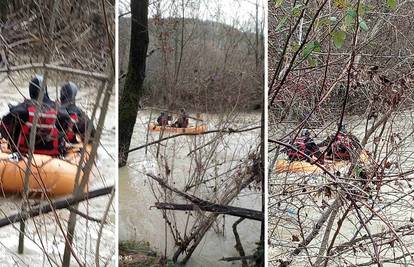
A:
x: 334, y: 63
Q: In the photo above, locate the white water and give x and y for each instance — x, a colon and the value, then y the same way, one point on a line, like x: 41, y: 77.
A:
x: 138, y: 221
x: 47, y: 230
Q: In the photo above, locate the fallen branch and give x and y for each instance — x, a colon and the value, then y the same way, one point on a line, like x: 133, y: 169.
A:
x: 204, y: 225
x: 251, y: 257
x: 56, y: 205
x: 216, y: 208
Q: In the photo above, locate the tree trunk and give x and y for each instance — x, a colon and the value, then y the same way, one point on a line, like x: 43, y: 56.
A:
x: 3, y: 10
x: 261, y: 245
x: 133, y: 89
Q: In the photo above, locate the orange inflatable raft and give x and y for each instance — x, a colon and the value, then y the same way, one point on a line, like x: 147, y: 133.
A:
x: 305, y: 167
x: 55, y: 176
x: 189, y: 130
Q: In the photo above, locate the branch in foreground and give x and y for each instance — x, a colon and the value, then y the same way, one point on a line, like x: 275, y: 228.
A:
x: 228, y: 131
x: 315, y: 231
x: 84, y: 215
x: 216, y: 208
x: 239, y: 246
x: 56, y: 205
x: 95, y: 75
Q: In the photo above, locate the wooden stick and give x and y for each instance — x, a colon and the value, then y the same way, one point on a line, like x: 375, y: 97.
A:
x: 55, y: 205
x: 212, y: 207
x: 95, y: 75
x: 251, y: 257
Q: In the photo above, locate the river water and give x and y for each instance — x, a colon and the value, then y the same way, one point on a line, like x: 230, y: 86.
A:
x: 392, y: 208
x: 44, y: 229
x: 138, y: 221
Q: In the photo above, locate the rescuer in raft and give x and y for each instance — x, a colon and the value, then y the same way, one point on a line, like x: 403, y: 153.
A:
x: 17, y: 124
x: 306, y: 145
x: 162, y: 120
x: 182, y: 120
x: 78, y: 122
x: 342, y: 146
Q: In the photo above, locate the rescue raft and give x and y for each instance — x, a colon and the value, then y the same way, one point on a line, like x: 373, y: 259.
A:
x: 308, y: 168
x: 55, y: 176
x: 198, y: 129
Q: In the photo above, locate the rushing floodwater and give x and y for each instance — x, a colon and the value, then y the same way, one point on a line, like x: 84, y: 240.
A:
x: 45, y: 228
x: 138, y: 221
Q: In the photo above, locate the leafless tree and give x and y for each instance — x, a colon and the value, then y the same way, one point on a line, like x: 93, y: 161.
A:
x: 200, y: 182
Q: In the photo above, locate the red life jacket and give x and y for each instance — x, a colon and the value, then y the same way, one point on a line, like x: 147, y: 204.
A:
x: 300, y: 144
x: 162, y: 120
x: 46, y: 130
x: 70, y: 133
x: 185, y: 122
x: 342, y: 146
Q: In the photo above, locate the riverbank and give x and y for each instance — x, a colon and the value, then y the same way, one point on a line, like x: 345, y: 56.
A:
x: 137, y: 253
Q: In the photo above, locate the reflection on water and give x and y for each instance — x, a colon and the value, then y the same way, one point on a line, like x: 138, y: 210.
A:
x: 140, y: 221
x: 46, y: 227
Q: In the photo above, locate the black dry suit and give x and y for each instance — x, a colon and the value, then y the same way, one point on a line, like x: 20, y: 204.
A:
x: 16, y: 125
x: 79, y: 120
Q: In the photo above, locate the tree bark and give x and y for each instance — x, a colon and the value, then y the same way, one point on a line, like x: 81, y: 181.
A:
x: 133, y: 89
x: 260, y: 260
x: 3, y: 10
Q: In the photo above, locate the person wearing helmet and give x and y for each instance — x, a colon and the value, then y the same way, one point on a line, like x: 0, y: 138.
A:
x: 304, y: 144
x: 78, y: 122
x: 182, y: 120
x: 343, y: 143
x: 162, y: 120
x: 17, y: 125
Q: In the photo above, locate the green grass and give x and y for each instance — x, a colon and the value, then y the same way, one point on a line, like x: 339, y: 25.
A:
x: 131, y: 246
x: 139, y: 249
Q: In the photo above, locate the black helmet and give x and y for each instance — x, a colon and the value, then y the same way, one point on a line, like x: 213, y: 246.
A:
x: 342, y: 128
x: 305, y: 132
x: 68, y: 93
x: 35, y: 86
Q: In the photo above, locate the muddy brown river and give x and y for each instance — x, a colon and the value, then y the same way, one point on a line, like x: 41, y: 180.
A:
x: 140, y: 221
